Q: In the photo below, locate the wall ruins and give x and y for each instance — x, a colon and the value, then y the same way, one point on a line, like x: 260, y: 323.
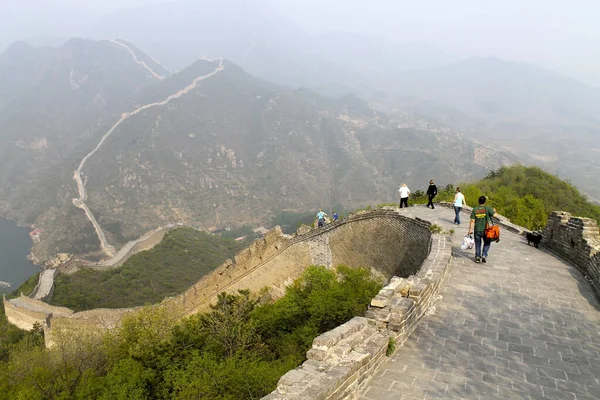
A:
x: 577, y: 240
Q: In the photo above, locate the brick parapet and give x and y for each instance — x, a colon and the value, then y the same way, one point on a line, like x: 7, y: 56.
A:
x: 577, y: 240
x: 344, y: 359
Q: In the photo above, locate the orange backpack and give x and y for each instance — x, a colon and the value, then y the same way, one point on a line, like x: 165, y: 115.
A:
x: 492, y: 231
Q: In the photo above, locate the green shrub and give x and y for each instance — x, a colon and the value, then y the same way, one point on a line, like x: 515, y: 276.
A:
x: 391, y: 347
x: 238, y: 350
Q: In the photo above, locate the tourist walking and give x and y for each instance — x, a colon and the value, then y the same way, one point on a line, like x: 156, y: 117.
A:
x: 459, y: 202
x: 431, y: 193
x: 321, y: 218
x: 480, y: 217
x: 404, y: 195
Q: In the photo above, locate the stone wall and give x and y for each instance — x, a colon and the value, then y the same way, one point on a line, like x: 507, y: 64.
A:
x: 577, y: 240
x: 342, y: 360
x: 45, y: 287
x: 385, y: 241
x: 23, y: 318
x: 382, y: 240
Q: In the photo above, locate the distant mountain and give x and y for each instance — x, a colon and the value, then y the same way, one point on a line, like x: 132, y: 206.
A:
x: 208, y: 146
x: 53, y: 103
x: 379, y: 62
x: 493, y: 87
x: 523, y: 108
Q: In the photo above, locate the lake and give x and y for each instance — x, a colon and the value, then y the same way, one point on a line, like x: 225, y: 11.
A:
x: 15, y: 245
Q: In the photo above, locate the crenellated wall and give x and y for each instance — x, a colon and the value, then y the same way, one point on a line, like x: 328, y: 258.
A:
x: 577, y: 240
x: 342, y: 360
x: 384, y: 241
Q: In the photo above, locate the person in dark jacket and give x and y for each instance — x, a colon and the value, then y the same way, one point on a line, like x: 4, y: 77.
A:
x: 431, y: 193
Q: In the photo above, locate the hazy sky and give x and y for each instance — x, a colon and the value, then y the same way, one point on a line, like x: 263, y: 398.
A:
x: 561, y: 35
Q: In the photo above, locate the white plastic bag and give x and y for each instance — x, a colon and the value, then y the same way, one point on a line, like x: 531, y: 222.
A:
x: 468, y: 242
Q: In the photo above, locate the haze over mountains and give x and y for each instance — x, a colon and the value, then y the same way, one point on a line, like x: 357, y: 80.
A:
x: 285, y: 121
x: 232, y: 149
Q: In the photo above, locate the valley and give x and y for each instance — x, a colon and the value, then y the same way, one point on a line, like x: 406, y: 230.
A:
x: 211, y: 147
x: 80, y: 202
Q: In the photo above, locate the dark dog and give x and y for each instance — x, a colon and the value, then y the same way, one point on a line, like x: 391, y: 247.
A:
x: 534, y: 237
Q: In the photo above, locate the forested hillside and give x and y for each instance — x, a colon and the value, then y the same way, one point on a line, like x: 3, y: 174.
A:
x: 237, y: 351
x: 180, y: 260
x: 525, y: 195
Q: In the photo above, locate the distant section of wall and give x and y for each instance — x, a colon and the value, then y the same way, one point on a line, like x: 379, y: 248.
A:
x: 578, y: 240
x: 87, y: 321
x: 45, y: 288
x: 146, y: 242
x: 22, y: 317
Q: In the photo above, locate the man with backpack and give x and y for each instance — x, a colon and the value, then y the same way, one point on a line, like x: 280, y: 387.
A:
x: 481, y: 216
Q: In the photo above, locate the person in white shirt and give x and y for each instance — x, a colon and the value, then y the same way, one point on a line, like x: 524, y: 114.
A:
x: 404, y: 195
x: 459, y: 202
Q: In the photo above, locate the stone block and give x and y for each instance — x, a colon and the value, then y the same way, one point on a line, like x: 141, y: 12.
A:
x: 380, y: 301
x: 316, y: 354
x: 341, y: 350
x: 339, y: 374
x: 320, y: 391
x: 417, y: 290
x: 402, y: 306
x: 293, y: 377
x: 395, y: 282
x: 314, y: 367
x: 379, y: 314
x: 328, y: 339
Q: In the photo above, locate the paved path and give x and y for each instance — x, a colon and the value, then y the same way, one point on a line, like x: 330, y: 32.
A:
x: 46, y: 284
x: 524, y: 325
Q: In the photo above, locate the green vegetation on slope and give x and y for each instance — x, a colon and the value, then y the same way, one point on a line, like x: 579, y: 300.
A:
x: 525, y: 195
x: 26, y: 287
x: 183, y: 257
x: 237, y: 351
x: 10, y: 334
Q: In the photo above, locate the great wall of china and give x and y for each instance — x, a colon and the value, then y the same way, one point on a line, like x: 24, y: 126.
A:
x: 114, y: 257
x: 384, y: 241
x: 402, y: 251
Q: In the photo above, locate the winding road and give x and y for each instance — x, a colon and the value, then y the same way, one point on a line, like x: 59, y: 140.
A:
x: 80, y: 202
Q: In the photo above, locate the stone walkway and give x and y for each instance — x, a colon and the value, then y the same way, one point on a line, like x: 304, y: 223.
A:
x: 524, y: 325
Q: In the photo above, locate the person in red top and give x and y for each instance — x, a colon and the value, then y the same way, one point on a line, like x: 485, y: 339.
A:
x: 480, y: 217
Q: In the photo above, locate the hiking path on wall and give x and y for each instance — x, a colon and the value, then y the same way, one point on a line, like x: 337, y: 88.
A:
x: 524, y: 325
